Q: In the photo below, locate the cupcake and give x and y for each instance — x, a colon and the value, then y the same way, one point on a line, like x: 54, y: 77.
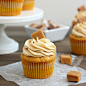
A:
x: 77, y: 16
x: 28, y: 4
x: 38, y: 57
x: 10, y: 7
x: 78, y: 39
x: 81, y: 13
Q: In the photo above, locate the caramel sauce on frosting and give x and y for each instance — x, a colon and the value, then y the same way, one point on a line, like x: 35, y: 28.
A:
x: 39, y: 48
x: 79, y: 30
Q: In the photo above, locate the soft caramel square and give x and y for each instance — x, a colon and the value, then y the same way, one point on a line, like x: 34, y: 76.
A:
x: 82, y: 19
x: 74, y: 76
x: 45, y: 23
x: 65, y: 59
x: 82, y: 8
x: 34, y: 25
x: 53, y: 24
x: 38, y: 34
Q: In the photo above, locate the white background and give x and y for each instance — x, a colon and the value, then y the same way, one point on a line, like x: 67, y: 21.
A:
x: 61, y: 11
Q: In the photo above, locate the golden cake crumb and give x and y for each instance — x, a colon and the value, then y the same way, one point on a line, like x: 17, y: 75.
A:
x: 38, y: 59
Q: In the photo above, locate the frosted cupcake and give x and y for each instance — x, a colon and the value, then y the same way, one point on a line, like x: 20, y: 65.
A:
x: 28, y: 4
x: 78, y: 39
x: 38, y: 58
x: 10, y: 7
x: 77, y: 16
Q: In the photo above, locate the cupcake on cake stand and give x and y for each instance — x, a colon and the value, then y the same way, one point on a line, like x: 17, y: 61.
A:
x: 9, y: 45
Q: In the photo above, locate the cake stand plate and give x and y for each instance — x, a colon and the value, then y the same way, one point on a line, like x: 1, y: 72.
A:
x: 8, y: 45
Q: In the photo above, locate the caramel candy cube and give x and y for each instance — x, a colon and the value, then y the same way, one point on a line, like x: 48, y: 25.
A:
x: 43, y: 28
x: 53, y: 24
x: 65, y: 59
x: 45, y: 23
x: 82, y: 19
x: 34, y: 25
x: 38, y: 34
x: 74, y: 76
x: 82, y: 8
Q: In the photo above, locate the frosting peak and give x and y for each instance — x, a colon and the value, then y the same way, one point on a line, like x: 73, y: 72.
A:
x: 79, y: 30
x: 38, y: 48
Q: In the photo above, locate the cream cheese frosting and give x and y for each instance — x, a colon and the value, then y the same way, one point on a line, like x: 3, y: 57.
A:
x: 39, y: 47
x: 79, y: 30
x: 79, y: 14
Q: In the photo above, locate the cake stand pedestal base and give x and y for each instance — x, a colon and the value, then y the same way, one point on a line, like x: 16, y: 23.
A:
x: 7, y: 45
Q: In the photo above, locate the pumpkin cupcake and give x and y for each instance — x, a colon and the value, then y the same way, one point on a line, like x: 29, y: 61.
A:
x: 10, y: 7
x: 81, y: 13
x: 38, y: 56
x: 28, y: 4
x: 78, y: 39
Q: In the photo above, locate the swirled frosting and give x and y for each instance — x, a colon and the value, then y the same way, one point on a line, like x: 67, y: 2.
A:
x: 79, y: 14
x: 79, y: 30
x: 38, y: 48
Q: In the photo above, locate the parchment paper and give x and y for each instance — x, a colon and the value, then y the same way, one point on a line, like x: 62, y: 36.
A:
x: 14, y: 72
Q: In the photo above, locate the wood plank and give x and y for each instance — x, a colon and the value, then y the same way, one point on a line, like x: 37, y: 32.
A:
x: 3, y: 63
x: 10, y: 57
x: 4, y: 82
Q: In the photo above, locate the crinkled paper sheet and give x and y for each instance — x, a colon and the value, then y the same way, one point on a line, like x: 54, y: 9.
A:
x: 14, y: 72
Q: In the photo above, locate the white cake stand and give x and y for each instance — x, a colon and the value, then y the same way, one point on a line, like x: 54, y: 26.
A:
x: 8, y: 45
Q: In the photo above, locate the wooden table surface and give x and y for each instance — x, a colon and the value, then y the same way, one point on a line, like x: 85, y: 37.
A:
x: 19, y: 34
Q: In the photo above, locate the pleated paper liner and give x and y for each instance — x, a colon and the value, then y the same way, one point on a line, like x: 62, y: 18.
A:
x: 78, y: 44
x: 10, y: 7
x: 28, y: 4
x: 38, y: 70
